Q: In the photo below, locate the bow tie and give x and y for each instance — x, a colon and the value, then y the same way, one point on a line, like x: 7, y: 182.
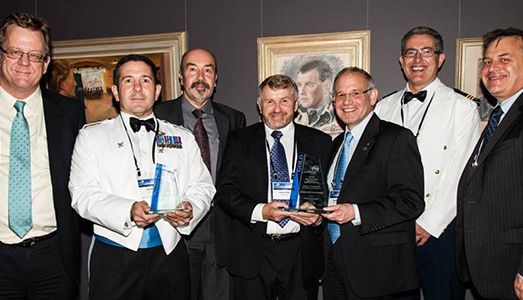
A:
x: 136, y: 124
x: 409, y: 96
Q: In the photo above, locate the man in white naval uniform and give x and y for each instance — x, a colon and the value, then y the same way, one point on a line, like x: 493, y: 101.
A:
x: 137, y: 255
x: 447, y: 126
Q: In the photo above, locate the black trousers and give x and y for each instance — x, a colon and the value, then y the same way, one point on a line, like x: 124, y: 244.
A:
x: 336, y: 285
x: 34, y: 272
x: 280, y: 275
x: 208, y: 280
x: 120, y: 273
x: 436, y: 266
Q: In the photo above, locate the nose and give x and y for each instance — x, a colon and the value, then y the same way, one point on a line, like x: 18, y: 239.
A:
x: 24, y: 59
x: 418, y: 56
x: 137, y: 86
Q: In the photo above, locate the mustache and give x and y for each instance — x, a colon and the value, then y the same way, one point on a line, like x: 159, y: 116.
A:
x: 200, y: 82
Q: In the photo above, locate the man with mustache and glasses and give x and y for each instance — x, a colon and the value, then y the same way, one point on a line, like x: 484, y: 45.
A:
x: 271, y: 255
x: 446, y: 125
x: 138, y: 254
x: 489, y: 225
x: 211, y: 123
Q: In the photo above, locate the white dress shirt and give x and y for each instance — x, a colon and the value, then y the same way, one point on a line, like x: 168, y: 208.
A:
x: 42, y: 208
x: 287, y: 140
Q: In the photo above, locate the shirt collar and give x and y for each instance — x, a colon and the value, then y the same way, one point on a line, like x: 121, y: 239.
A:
x: 286, y: 131
x: 507, y: 104
x: 206, y: 108
x: 357, y: 131
x: 33, y: 102
x: 429, y: 88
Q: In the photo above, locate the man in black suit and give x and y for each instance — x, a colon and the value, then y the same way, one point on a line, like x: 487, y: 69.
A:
x: 198, y: 75
x: 269, y: 254
x: 489, y: 224
x: 377, y: 192
x: 39, y: 231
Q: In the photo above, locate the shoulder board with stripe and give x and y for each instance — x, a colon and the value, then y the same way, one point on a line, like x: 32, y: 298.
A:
x: 468, y: 96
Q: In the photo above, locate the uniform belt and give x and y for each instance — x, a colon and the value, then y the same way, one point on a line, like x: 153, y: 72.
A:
x: 30, y: 242
x: 280, y: 237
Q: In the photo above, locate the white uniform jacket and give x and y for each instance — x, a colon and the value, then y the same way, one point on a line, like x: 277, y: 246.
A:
x: 448, y: 134
x: 103, y: 181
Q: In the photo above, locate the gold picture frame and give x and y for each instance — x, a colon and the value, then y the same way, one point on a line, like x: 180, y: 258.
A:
x: 89, y: 56
x: 299, y: 55
x: 469, y: 54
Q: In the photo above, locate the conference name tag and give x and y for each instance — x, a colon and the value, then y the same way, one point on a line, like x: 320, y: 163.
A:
x: 146, y: 189
x: 333, y: 197
x: 281, y: 191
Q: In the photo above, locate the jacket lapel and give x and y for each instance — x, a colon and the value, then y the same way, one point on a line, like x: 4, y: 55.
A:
x: 222, y: 122
x: 53, y: 115
x: 362, y: 150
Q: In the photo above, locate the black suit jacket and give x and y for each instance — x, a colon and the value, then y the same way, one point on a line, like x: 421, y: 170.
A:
x: 243, y: 183
x: 63, y: 119
x: 385, y: 179
x: 227, y: 120
x: 489, y: 224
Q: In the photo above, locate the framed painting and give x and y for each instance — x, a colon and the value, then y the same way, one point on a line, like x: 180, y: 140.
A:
x: 468, y: 73
x: 313, y: 60
x: 92, y: 62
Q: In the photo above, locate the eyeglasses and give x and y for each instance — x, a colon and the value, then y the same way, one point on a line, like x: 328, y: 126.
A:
x: 17, y: 54
x: 351, y: 95
x: 424, y: 52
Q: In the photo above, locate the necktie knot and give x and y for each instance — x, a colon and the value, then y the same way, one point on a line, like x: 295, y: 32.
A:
x: 19, y: 106
x: 136, y: 124
x: 276, y: 135
x: 496, y: 114
x: 197, y: 113
x: 419, y: 95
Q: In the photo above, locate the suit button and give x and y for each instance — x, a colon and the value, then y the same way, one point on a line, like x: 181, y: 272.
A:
x: 445, y: 147
x: 427, y: 195
x: 126, y: 225
x: 436, y: 172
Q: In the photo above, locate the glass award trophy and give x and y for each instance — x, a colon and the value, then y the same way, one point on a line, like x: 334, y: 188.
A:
x: 165, y: 195
x: 309, y: 183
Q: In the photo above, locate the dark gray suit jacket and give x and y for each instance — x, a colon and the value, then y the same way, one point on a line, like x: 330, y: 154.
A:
x: 227, y: 120
x: 489, y: 228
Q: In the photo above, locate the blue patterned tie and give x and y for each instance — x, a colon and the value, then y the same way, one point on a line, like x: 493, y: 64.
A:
x: 493, y: 121
x: 279, y: 168
x: 332, y: 227
x: 19, y: 190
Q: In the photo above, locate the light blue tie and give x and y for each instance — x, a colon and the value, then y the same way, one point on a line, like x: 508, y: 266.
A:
x: 19, y: 190
x: 332, y: 227
x: 279, y: 168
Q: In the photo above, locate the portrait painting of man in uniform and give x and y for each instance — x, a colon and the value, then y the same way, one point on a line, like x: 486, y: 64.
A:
x: 312, y: 61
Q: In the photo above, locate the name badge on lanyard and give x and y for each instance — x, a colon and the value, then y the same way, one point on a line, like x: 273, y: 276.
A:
x: 146, y: 188
x: 281, y: 191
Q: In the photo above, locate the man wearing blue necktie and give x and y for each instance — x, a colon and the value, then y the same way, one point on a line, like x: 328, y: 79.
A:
x: 272, y: 253
x: 376, y: 181
x: 490, y: 192
x: 114, y: 174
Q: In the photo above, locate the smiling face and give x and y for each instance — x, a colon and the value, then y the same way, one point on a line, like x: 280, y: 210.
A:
x: 136, y: 90
x: 352, y: 110
x: 277, y: 107
x: 421, y: 71
x: 198, y: 76
x: 21, y: 77
x: 502, y: 70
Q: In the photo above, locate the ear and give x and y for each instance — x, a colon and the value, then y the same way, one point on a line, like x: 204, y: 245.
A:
x: 296, y: 104
x: 46, y: 64
x: 215, y: 79
x: 441, y: 59
x: 373, y: 96
x: 180, y: 77
x: 114, y: 89
x: 157, y: 92
x: 401, y: 61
